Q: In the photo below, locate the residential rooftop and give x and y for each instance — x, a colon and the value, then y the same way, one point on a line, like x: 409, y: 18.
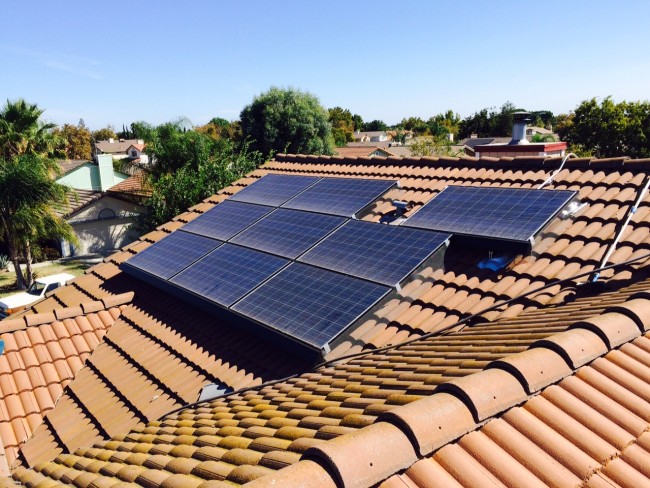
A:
x: 118, y: 420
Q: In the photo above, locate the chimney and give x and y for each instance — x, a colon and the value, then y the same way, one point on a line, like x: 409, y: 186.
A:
x: 519, y: 121
x: 111, y: 140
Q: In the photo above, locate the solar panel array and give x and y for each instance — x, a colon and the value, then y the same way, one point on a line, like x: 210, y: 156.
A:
x: 274, y: 189
x: 381, y: 253
x: 288, y: 257
x: 310, y: 304
x: 228, y: 273
x: 340, y: 196
x: 512, y: 214
x: 288, y: 233
x: 227, y: 219
x: 173, y: 253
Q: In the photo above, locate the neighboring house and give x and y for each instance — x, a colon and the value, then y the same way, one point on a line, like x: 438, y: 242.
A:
x: 96, y: 175
x: 371, y: 136
x: 101, y: 222
x: 543, y: 383
x: 120, y: 148
x: 134, y: 189
x: 361, y: 151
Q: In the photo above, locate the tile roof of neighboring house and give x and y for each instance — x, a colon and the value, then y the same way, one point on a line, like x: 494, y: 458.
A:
x: 472, y: 142
x: 133, y: 185
x: 139, y: 147
x: 360, y: 151
x: 77, y: 200
x: 161, y: 351
x: 115, y: 147
x: 400, y: 151
x: 43, y: 353
x: 381, y: 144
x: 68, y: 165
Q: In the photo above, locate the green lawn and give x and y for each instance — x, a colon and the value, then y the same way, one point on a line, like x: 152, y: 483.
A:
x: 8, y: 279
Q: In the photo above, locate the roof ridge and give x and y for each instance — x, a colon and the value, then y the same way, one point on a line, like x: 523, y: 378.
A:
x: 85, y: 308
x: 505, y: 161
x: 402, y: 436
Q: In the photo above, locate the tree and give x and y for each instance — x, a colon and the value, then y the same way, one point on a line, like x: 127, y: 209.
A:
x: 75, y: 141
x: 104, y: 134
x: 287, y: 120
x: 438, y: 146
x: 489, y: 123
x: 188, y: 167
x: 416, y: 125
x: 28, y: 198
x: 219, y: 128
x: 358, y: 122
x: 375, y: 125
x: 342, y: 125
x: 141, y: 130
x: 608, y: 129
x: 22, y: 131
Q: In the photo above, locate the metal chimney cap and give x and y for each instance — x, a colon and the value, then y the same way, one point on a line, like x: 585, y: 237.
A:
x: 521, y: 117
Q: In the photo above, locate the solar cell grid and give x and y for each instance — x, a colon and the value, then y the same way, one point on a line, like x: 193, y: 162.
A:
x: 273, y: 189
x: 310, y: 304
x: 500, y: 213
x: 382, y: 253
x: 173, y: 253
x: 288, y: 233
x: 228, y: 273
x: 227, y: 219
x: 340, y: 196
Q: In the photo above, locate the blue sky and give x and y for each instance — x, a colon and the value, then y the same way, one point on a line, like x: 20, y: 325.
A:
x: 117, y: 62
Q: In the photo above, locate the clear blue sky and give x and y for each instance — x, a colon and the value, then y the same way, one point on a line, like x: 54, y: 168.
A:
x: 116, y: 62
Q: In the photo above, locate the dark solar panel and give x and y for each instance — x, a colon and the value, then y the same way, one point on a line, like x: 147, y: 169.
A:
x: 228, y: 273
x: 382, y: 253
x: 500, y: 213
x: 226, y: 219
x: 274, y: 189
x: 288, y: 233
x: 310, y: 304
x: 340, y: 196
x: 172, y: 254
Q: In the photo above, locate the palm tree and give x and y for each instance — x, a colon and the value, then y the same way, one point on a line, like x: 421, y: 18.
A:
x: 28, y: 191
x: 22, y: 131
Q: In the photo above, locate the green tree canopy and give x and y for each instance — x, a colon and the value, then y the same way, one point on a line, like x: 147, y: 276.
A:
x: 608, y: 129
x: 489, y: 122
x: 342, y: 125
x: 189, y: 166
x: 375, y: 125
x: 22, y: 131
x: 287, y: 120
x: 104, y: 134
x: 75, y: 141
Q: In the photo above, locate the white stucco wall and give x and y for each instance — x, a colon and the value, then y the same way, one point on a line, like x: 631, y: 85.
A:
x: 101, y: 236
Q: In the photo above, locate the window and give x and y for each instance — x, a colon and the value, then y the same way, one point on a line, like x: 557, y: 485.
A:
x: 106, y: 213
x: 134, y: 153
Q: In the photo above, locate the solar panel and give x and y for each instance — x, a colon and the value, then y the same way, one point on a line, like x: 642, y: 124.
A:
x: 172, y: 254
x: 274, y: 189
x: 310, y: 304
x: 512, y: 214
x: 340, y: 196
x: 228, y: 273
x: 288, y: 233
x: 382, y: 253
x: 227, y: 219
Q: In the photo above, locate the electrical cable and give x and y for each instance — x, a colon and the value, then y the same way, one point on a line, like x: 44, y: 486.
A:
x: 438, y: 332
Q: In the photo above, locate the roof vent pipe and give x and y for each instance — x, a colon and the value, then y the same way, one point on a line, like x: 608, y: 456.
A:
x: 520, y: 119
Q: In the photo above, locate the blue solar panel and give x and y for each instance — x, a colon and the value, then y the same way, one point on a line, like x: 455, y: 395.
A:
x: 288, y: 233
x: 310, y: 304
x: 340, y: 196
x: 226, y: 219
x: 172, y: 254
x: 382, y: 253
x: 512, y: 214
x: 228, y: 273
x: 274, y: 189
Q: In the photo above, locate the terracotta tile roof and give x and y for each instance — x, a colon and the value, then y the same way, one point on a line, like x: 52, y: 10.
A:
x: 354, y: 152
x: 123, y: 387
x: 133, y: 185
x: 117, y: 146
x: 363, y: 426
x: 43, y: 352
